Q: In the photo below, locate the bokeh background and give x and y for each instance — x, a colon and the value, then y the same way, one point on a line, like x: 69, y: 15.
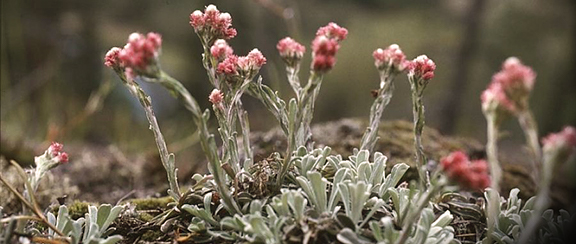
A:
x: 54, y: 85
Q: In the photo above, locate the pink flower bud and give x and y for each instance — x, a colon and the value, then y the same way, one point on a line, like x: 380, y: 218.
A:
x: 257, y: 60
x: 228, y: 66
x: 220, y: 50
x: 333, y: 31
x: 563, y: 141
x: 61, y: 158
x: 111, y: 60
x: 290, y: 49
x: 468, y: 174
x: 197, y: 20
x: 216, y: 97
x: 390, y: 57
x: 422, y: 67
x: 55, y: 148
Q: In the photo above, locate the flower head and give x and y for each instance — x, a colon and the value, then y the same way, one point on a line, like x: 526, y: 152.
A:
x: 562, y: 143
x: 392, y: 57
x: 55, y: 154
x: 290, y: 50
x: 140, y: 54
x: 468, y: 174
x: 422, y: 67
x: 216, y: 97
x: 494, y: 99
x: 111, y: 59
x: 245, y: 66
x: 220, y: 50
x: 324, y: 53
x: 517, y: 80
x: 325, y: 46
x: 212, y: 24
x: 333, y: 31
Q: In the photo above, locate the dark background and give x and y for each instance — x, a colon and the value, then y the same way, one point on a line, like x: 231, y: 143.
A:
x: 52, y: 62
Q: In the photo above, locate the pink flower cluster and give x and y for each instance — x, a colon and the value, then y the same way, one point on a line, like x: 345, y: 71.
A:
x: 422, y: 67
x: 137, y: 55
x: 212, y: 24
x: 391, y: 57
x: 140, y: 51
x: 515, y: 77
x: 564, y: 141
x: 495, y: 96
x: 333, y: 31
x: 55, y: 152
x: 468, y: 174
x: 510, y: 87
x: 246, y: 66
x: 290, y: 49
x: 325, y: 46
x: 220, y: 50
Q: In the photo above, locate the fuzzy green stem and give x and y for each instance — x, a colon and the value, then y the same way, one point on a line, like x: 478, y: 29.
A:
x: 166, y: 158
x: 492, y: 152
x: 530, y: 128
x: 382, y: 99
x: 418, y: 112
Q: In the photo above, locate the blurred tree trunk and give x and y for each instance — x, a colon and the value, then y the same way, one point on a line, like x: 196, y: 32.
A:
x: 450, y: 110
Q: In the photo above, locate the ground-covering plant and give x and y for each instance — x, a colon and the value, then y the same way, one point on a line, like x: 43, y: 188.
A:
x: 306, y: 194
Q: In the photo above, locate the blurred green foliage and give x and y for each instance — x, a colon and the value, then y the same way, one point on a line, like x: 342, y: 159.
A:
x: 52, y: 55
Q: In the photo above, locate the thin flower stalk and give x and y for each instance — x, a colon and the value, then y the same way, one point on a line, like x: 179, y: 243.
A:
x: 421, y: 70
x: 167, y: 158
x: 530, y: 129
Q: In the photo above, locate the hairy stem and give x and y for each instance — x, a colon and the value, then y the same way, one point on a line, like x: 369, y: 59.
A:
x: 495, y: 170
x: 492, y: 152
x: 530, y: 128
x: 382, y: 99
x: 418, y: 113
x: 166, y: 157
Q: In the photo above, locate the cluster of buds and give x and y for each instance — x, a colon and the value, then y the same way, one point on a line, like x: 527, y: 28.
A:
x: 325, y: 46
x: 421, y: 68
x: 510, y: 88
x: 212, y: 25
x: 562, y: 143
x: 55, y: 153
x: 244, y: 67
x: 392, y: 58
x: 138, y: 57
x: 468, y: 174
x: 291, y: 51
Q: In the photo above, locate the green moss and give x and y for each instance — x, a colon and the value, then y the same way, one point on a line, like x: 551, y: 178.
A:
x: 151, y: 203
x: 146, y: 217
x: 78, y: 209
